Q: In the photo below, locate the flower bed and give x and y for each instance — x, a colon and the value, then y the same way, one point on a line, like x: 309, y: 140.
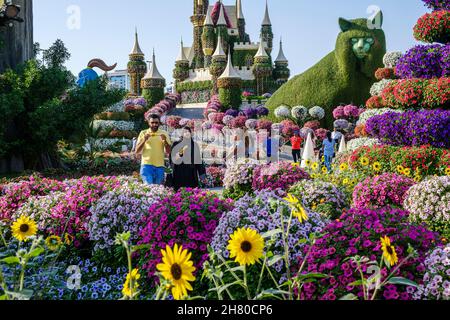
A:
x: 422, y: 61
x: 238, y: 178
x: 386, y: 190
x: 187, y: 218
x: 273, y: 176
x: 358, y: 233
x: 429, y: 202
x: 433, y: 27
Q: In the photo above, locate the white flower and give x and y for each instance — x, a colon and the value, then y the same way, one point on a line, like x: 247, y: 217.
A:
x: 366, y: 115
x: 354, y: 144
x: 282, y: 112
x: 378, y: 87
x: 118, y: 107
x: 299, y: 112
x: 390, y: 59
x: 118, y: 125
x: 317, y: 113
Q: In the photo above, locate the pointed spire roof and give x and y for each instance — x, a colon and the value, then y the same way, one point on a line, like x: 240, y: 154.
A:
x: 219, y: 49
x: 281, y: 57
x: 136, y: 49
x: 181, y: 55
x: 266, y: 21
x: 261, y: 51
x: 208, y: 20
x: 153, y: 72
x: 221, y: 21
x: 239, y: 13
x: 230, y: 72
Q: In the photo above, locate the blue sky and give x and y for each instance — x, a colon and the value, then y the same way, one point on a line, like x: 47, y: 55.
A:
x: 309, y: 28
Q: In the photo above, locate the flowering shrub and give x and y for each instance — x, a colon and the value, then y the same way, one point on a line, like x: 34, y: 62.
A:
x: 250, y: 112
x: 437, y: 93
x: 341, y: 124
x: 429, y: 202
x: 216, y: 117
x: 72, y: 214
x: 412, y: 128
x: 314, y: 125
x: 391, y: 59
x: 282, y: 112
x: 288, y: 128
x: 376, y: 102
x: 14, y: 195
x: 385, y: 74
x: 299, y: 112
x: 239, y: 177
x: 121, y: 210
x: 217, y: 175
x: 238, y: 122
x: 262, y: 111
x: 118, y: 125
x: 433, y: 27
x: 227, y: 120
x: 264, y: 125
x: 262, y: 213
x: 251, y: 124
x: 173, y: 122
x: 321, y: 133
x: 358, y: 232
x: 388, y: 189
x: 378, y: 87
x: 187, y: 218
x: 436, y: 281
x: 321, y: 197
x: 317, y: 113
x: 354, y: 144
x: 368, y: 114
x: 360, y: 131
x: 231, y: 112
x: 420, y: 161
x: 422, y: 61
x: 273, y: 176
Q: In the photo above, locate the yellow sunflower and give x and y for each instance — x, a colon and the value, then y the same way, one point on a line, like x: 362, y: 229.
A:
x: 364, y: 161
x: 447, y: 171
x: 295, y: 165
x: 389, y: 253
x: 300, y: 213
x: 291, y: 199
x: 131, y: 284
x: 324, y: 170
x: 178, y: 268
x: 346, y: 181
x: 23, y: 228
x: 53, y: 243
x: 247, y: 246
x: 376, y: 167
x: 407, y: 172
x: 313, y: 176
x: 315, y: 166
x: 400, y: 169
x: 343, y: 167
x: 308, y: 163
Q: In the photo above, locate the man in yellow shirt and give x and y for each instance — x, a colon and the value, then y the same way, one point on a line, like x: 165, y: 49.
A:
x: 152, y: 144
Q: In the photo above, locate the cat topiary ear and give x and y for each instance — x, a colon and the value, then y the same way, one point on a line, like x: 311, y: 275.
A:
x: 345, y: 24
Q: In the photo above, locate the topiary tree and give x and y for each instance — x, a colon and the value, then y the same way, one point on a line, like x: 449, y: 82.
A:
x: 344, y: 76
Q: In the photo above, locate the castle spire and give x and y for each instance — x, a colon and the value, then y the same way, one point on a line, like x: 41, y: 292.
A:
x: 281, y: 57
x: 221, y: 21
x: 181, y: 55
x: 230, y: 72
x: 153, y: 72
x: 239, y: 13
x: 219, y: 50
x: 261, y: 51
x: 136, y: 49
x: 266, y: 21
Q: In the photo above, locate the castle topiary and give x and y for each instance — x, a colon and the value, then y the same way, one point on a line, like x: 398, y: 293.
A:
x: 344, y: 76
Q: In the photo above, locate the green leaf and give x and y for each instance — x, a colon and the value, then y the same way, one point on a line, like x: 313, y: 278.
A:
x: 11, y: 260
x: 349, y: 296
x: 239, y: 268
x: 3, y: 297
x: 36, y: 252
x: 140, y: 247
x: 356, y: 283
x: 271, y: 233
x: 312, y: 276
x: 221, y: 289
x: 21, y: 295
x: 403, y: 281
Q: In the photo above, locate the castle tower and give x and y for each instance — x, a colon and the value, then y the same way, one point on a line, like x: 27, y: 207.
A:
x: 218, y: 64
x: 281, y: 73
x: 262, y: 69
x: 208, y: 39
x: 266, y: 30
x: 153, y: 84
x: 230, y: 87
x: 222, y: 27
x: 136, y: 67
x: 181, y: 71
x: 197, y: 19
x: 243, y: 37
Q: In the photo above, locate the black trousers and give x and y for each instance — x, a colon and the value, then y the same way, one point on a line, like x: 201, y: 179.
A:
x: 296, y: 155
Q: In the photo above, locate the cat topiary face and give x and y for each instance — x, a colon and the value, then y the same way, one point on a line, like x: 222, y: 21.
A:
x: 360, y: 48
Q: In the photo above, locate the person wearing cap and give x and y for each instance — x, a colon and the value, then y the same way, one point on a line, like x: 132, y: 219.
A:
x: 296, y: 142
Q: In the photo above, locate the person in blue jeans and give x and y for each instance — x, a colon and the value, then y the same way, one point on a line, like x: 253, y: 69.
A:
x: 153, y: 144
x: 328, y: 150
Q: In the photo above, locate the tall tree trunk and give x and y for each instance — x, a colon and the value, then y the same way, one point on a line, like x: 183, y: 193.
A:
x: 17, y: 47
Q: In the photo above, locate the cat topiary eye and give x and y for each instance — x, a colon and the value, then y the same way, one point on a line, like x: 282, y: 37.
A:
x: 370, y: 40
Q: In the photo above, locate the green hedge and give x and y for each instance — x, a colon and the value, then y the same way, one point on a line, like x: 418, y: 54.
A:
x: 153, y: 95
x: 113, y: 116
x: 230, y: 98
x: 194, y: 86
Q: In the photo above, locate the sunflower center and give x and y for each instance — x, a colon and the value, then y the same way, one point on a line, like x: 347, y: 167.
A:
x: 24, y: 228
x: 176, y: 271
x: 389, y: 250
x: 246, y: 246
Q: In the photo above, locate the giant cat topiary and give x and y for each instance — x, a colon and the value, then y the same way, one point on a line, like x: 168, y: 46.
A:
x: 343, y: 76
